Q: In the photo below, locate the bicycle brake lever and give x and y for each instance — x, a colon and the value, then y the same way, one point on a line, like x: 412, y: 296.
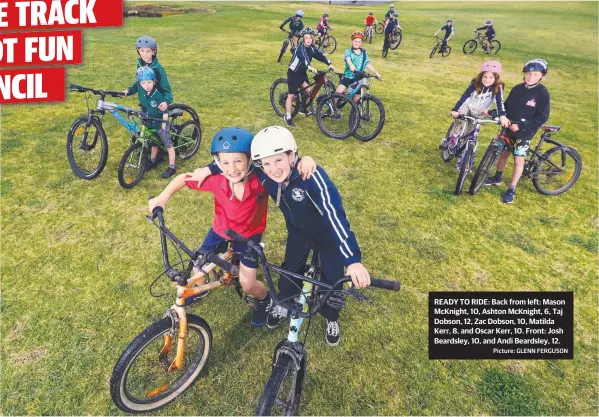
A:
x: 353, y: 292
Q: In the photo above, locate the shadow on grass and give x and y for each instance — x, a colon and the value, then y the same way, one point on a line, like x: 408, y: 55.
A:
x: 510, y: 394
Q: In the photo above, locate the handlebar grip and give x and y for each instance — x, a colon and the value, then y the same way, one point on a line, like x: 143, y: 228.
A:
x: 385, y: 284
x: 236, y: 236
x: 217, y: 260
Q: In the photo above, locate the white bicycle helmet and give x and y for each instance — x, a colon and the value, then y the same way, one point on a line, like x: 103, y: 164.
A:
x: 272, y: 141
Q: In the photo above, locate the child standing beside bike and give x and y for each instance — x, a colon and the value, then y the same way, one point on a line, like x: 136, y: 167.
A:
x: 147, y: 49
x: 240, y: 204
x: 476, y: 101
x: 356, y: 59
x: 527, y: 109
x: 297, y: 73
x: 149, y: 97
x: 449, y: 31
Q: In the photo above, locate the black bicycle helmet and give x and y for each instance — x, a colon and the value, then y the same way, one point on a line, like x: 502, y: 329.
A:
x: 536, y: 64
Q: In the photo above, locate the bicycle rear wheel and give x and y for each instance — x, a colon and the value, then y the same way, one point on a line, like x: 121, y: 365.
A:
x: 371, y: 114
x: 495, y: 47
x: 141, y: 381
x: 380, y: 28
x: 87, y: 147
x: 335, y: 115
x: 186, y: 139
x: 283, y: 49
x: 557, y: 170
x: 282, y: 392
x: 445, y: 52
x: 465, y: 166
x: 486, y: 164
x: 278, y: 98
x: 469, y: 46
x: 133, y: 165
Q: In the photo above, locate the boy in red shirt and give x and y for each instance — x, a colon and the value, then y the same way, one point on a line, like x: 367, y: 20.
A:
x: 240, y: 204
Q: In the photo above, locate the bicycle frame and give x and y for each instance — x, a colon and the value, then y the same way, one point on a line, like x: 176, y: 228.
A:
x: 314, y: 92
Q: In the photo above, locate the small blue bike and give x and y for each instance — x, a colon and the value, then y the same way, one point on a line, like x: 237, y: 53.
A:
x: 87, y: 143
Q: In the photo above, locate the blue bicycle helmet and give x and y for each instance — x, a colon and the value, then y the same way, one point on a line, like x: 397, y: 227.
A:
x: 232, y: 139
x: 145, y: 73
x: 146, y: 42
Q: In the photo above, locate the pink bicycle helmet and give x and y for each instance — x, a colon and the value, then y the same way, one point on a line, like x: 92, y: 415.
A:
x: 493, y: 66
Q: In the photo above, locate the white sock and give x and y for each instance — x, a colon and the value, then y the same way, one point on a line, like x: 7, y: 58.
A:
x: 288, y: 115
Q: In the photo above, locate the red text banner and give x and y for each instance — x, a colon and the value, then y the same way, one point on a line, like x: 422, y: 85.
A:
x: 32, y: 85
x: 46, y: 14
x: 40, y: 48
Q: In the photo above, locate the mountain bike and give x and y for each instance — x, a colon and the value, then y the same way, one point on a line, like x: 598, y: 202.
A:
x: 368, y: 33
x: 554, y: 172
x: 466, y: 129
x: 439, y: 47
x: 289, y: 39
x: 327, y: 44
x: 164, y: 360
x: 370, y: 109
x: 332, y: 110
x: 394, y: 40
x: 470, y: 45
x: 282, y: 391
x: 87, y: 143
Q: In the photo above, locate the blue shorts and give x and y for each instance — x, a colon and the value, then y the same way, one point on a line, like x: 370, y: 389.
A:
x: 321, y: 31
x: 218, y: 244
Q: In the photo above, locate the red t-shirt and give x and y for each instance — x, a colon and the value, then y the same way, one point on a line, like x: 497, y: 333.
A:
x: 247, y: 217
x: 370, y: 20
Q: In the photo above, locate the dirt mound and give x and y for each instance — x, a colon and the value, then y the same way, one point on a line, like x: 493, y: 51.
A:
x: 157, y: 10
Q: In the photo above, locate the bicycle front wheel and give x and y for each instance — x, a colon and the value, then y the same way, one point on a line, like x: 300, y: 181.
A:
x: 186, y: 139
x: 395, y: 41
x: 470, y: 46
x: 335, y: 115
x: 87, y: 147
x: 329, y: 45
x: 283, y: 49
x: 132, y: 166
x: 495, y: 47
x: 385, y: 52
x: 465, y: 167
x: 557, y: 170
x: 141, y: 381
x: 486, y: 164
x: 433, y: 51
x: 282, y: 392
x: 371, y: 118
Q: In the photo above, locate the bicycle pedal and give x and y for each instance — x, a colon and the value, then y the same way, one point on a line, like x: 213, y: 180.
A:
x: 336, y: 300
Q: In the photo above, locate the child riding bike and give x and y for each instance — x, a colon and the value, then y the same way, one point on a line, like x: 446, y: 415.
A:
x: 392, y: 24
x: 489, y: 34
x: 147, y: 49
x: 389, y: 14
x: 240, y: 204
x: 297, y: 75
x: 449, y: 32
x: 527, y: 107
x: 295, y: 26
x: 323, y: 26
x: 478, y: 99
x: 356, y: 59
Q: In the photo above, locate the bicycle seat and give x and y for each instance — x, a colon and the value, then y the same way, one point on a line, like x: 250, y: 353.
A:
x: 175, y: 113
x: 550, y: 128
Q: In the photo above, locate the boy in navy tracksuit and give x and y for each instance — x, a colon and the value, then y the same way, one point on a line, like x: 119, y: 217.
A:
x: 527, y: 109
x: 315, y: 219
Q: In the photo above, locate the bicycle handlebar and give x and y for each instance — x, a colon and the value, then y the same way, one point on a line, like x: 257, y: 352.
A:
x: 290, y: 307
x: 477, y: 120
x: 81, y: 89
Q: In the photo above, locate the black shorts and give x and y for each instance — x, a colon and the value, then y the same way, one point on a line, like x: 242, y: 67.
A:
x: 295, y: 80
x: 521, y: 143
x: 347, y: 81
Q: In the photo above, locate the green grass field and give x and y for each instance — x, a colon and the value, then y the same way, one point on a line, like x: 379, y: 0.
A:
x: 78, y: 257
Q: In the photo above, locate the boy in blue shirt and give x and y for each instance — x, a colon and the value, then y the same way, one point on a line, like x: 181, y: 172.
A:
x: 449, y: 31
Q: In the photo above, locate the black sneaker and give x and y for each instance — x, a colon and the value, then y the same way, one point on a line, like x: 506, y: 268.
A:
x: 493, y: 181
x: 169, y: 172
x: 332, y: 333
x: 288, y: 121
x: 273, y: 320
x: 150, y: 164
x: 260, y: 312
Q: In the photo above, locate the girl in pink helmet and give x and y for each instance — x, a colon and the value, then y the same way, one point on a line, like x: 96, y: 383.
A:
x: 478, y: 98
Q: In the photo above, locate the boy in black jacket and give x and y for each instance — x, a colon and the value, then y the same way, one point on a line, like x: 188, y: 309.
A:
x: 527, y: 109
